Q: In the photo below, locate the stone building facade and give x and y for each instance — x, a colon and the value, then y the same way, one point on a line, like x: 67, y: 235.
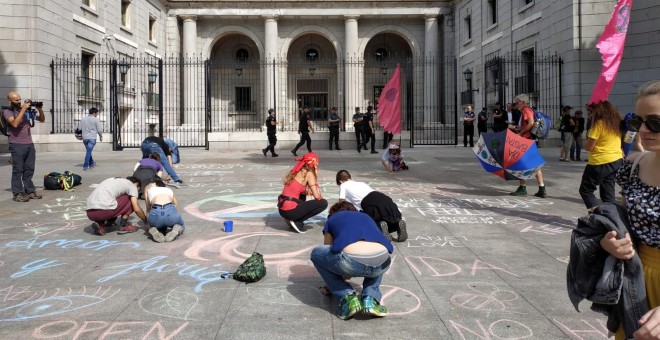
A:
x: 275, y: 52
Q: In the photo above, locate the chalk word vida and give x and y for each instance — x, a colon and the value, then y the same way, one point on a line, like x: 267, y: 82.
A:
x: 71, y: 329
x: 203, y: 275
x: 437, y: 241
x: 34, y: 243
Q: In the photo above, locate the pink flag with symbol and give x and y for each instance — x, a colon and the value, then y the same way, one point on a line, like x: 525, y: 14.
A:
x: 389, y: 104
x: 610, y: 45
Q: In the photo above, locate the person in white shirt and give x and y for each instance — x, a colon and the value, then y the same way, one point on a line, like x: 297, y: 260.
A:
x: 164, y: 218
x: 380, y: 207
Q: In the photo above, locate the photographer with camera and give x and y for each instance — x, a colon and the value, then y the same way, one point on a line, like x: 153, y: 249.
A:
x: 21, y: 118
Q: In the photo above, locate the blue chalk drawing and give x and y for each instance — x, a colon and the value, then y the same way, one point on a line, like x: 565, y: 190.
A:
x: 34, y: 266
x: 35, y: 243
x: 54, y: 304
x: 203, y: 275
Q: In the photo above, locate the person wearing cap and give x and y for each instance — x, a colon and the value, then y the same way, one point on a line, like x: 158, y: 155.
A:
x: 271, y: 130
x: 304, y: 127
x: 301, y: 181
x: 392, y: 158
x: 333, y: 125
x: 566, y: 128
x: 90, y: 126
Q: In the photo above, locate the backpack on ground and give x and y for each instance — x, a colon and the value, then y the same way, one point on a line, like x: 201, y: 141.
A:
x: 541, y: 128
x: 61, y: 181
x: 252, y: 270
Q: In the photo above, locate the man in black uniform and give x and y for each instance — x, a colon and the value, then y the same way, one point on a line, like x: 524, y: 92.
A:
x: 482, y: 121
x: 304, y: 127
x: 333, y: 126
x: 358, y: 125
x: 369, y: 130
x: 271, y: 129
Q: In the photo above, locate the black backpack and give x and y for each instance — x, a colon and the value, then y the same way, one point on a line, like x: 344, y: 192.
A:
x: 4, y: 124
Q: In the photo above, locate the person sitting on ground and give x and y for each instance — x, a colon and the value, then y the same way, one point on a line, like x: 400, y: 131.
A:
x: 392, y: 158
x: 148, y: 170
x: 163, y: 213
x: 112, y: 198
x: 300, y: 182
x: 352, y: 247
x: 380, y: 207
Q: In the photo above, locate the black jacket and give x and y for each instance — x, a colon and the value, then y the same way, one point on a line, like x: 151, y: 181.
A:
x: 616, y: 287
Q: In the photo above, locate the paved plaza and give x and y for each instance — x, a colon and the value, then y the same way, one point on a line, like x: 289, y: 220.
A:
x: 478, y: 264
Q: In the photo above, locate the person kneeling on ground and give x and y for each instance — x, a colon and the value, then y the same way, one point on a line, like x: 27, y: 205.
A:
x: 353, y: 247
x: 162, y: 208
x: 377, y: 205
x: 148, y: 170
x: 112, y: 198
x: 300, y: 182
x: 393, y: 159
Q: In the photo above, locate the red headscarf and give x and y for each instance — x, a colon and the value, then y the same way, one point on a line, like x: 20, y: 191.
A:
x: 309, y: 158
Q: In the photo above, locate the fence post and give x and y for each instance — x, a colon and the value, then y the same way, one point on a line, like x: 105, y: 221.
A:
x: 160, y: 97
x: 52, y: 95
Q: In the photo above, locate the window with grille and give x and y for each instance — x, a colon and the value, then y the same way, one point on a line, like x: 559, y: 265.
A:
x: 243, y: 98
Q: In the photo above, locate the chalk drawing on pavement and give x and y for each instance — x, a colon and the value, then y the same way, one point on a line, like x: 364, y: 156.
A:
x: 175, y: 303
x: 252, y: 208
x: 55, y: 302
x: 486, y: 297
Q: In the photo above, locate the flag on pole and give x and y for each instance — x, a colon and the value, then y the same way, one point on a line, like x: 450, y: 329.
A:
x: 389, y: 104
x: 610, y: 45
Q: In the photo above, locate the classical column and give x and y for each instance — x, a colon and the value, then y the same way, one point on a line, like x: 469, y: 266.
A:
x: 270, y: 54
x: 431, y: 69
x: 190, y: 76
x: 353, y: 67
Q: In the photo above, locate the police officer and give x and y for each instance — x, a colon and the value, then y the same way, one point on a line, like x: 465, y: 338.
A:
x: 333, y: 126
x: 271, y: 130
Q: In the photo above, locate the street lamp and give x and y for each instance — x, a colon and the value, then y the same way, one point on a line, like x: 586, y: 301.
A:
x: 312, y: 71
x: 383, y: 70
x: 152, y: 76
x: 123, y: 68
x: 467, y: 75
x: 239, y: 72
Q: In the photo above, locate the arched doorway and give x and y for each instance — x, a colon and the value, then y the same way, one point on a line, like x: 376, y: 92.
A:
x: 235, y: 84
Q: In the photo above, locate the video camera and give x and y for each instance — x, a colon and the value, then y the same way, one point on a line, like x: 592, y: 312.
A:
x: 34, y: 103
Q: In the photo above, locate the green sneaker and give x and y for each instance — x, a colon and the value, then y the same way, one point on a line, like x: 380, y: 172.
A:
x: 521, y: 191
x: 541, y: 193
x: 371, y: 307
x: 348, y: 306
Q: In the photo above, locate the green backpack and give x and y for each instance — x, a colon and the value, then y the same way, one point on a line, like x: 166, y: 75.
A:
x: 252, y: 270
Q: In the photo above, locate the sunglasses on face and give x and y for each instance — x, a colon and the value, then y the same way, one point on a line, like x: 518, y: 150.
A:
x: 652, y: 123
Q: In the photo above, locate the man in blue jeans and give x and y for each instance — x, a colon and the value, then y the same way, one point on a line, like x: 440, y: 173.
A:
x: 90, y: 126
x: 158, y: 145
x: 353, y: 247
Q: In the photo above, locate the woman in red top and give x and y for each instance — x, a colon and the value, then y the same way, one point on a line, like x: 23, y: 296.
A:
x: 300, y: 182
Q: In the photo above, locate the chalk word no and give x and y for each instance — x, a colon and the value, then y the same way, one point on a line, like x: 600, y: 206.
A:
x: 67, y: 244
x: 584, y: 329
x: 436, y: 241
x: 503, y: 329
x: 203, y: 275
x: 71, y: 329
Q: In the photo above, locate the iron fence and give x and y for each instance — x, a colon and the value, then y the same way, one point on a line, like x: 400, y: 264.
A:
x: 187, y: 98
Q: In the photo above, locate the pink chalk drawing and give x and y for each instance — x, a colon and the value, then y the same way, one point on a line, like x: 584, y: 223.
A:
x: 226, y: 248
x: 486, y: 297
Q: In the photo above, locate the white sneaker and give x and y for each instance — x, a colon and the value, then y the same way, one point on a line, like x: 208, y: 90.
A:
x: 156, y: 235
x: 297, y: 226
x: 174, y: 233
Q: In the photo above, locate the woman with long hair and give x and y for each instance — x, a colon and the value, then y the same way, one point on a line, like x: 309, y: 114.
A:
x: 640, y: 184
x: 301, y: 181
x: 605, y: 154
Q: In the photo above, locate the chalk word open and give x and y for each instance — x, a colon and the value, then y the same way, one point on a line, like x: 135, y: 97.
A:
x: 71, y: 329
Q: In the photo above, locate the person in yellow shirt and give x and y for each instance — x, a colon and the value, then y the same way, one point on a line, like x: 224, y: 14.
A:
x: 605, y: 155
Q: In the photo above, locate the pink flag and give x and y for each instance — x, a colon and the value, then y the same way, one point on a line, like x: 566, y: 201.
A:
x: 610, y: 45
x: 389, y: 104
